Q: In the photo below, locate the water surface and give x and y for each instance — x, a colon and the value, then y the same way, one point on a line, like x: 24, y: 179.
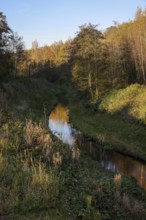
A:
x: 58, y: 124
x: 115, y: 162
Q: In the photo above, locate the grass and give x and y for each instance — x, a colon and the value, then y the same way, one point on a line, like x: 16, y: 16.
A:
x: 27, y: 98
x: 32, y: 182
x: 47, y: 216
x: 129, y: 103
x: 112, y: 131
x: 42, y: 178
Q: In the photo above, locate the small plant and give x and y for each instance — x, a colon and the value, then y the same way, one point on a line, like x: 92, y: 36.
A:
x: 35, y: 134
x: 75, y: 153
x: 117, y: 180
x: 57, y: 159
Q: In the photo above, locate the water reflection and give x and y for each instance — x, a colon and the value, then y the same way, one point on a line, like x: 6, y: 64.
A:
x: 58, y: 124
x: 127, y: 166
x: 115, y: 162
x: 119, y: 163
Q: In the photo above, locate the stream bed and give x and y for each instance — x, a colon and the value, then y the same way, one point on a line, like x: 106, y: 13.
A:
x: 113, y: 161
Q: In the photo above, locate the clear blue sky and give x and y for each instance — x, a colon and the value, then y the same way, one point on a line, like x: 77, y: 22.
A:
x: 53, y: 20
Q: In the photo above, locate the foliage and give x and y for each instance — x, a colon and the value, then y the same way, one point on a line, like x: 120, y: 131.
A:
x: 4, y: 33
x: 89, y: 59
x: 126, y: 43
x: 16, y: 49
x: 11, y: 49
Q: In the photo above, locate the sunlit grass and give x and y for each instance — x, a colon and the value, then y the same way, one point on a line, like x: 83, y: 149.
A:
x: 113, y: 132
x: 130, y: 101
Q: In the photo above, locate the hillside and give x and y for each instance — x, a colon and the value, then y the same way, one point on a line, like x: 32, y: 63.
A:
x: 39, y: 177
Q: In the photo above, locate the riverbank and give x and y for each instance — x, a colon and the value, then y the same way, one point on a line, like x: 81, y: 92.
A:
x: 112, y: 131
x: 40, y: 177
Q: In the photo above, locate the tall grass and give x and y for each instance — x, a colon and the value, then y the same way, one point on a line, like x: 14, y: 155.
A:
x: 27, y: 182
x: 36, y: 134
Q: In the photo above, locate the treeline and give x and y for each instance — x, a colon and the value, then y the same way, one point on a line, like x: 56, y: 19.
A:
x: 113, y: 59
x: 48, y: 59
x: 98, y: 61
x: 11, y: 49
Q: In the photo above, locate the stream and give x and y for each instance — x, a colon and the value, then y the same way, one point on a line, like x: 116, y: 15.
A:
x: 113, y: 161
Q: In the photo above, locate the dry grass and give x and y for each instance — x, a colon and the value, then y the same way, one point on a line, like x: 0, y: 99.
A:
x: 75, y: 153
x: 126, y: 201
x: 57, y: 159
x: 40, y: 176
x: 35, y: 134
x: 131, y: 204
x: 134, y: 206
x: 117, y: 180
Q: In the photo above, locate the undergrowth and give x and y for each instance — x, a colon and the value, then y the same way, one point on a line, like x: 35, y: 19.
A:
x: 42, y: 178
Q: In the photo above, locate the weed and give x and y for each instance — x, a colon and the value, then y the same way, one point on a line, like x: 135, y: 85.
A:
x: 117, y: 180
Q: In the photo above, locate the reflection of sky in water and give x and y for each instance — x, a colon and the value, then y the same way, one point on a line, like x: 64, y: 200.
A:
x: 62, y: 130
x: 58, y: 124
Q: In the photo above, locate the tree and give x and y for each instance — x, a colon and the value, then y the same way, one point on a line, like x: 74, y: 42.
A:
x: 89, y: 59
x: 5, y: 32
x: 138, y: 43
x: 121, y: 66
x: 16, y: 48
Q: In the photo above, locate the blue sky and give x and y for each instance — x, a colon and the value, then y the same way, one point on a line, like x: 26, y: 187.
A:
x: 52, y: 20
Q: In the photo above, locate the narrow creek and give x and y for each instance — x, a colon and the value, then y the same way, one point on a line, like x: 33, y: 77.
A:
x: 113, y: 161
